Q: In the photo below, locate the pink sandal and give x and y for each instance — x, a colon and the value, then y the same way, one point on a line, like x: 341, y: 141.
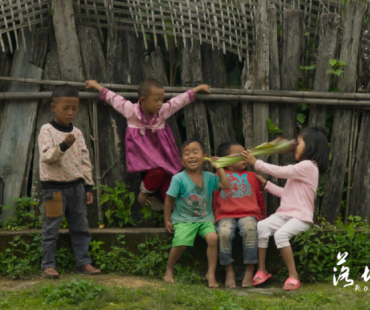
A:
x: 296, y: 284
x: 264, y: 277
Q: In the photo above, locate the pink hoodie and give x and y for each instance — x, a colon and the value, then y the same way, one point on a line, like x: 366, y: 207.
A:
x: 299, y: 193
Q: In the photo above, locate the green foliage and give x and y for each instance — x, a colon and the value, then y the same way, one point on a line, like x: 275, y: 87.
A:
x: 24, y: 215
x: 152, y: 216
x: 335, y: 67
x: 307, y: 68
x: 72, y: 292
x: 273, y: 130
x: 316, y: 250
x: 119, y: 201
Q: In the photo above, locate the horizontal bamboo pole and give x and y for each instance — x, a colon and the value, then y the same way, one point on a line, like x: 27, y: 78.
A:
x: 264, y: 99
x: 221, y: 91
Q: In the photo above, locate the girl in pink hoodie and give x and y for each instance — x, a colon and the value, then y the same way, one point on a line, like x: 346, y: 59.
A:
x: 295, y: 213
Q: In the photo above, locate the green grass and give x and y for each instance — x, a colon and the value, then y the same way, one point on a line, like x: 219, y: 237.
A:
x: 87, y: 294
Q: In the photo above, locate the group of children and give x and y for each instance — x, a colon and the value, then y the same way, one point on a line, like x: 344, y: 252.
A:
x: 196, y: 202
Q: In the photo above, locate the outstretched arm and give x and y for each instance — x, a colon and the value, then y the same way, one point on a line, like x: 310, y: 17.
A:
x: 120, y: 104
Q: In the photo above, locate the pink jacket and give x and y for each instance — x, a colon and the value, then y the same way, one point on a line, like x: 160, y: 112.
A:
x: 299, y: 193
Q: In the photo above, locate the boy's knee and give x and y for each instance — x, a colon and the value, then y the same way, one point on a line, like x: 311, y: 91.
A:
x: 248, y: 225
x: 212, y: 238
x: 224, y: 233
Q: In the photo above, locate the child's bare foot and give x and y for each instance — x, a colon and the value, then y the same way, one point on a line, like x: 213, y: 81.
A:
x: 248, y: 277
x: 168, y: 275
x: 142, y: 198
x: 230, y: 277
x: 212, y: 283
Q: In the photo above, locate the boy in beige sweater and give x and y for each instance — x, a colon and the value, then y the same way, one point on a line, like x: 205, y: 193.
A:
x: 66, y: 178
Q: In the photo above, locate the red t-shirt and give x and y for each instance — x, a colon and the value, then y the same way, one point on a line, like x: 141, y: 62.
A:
x: 244, y: 198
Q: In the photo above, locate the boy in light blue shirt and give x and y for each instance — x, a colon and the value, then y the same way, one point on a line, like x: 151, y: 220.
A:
x: 191, y: 191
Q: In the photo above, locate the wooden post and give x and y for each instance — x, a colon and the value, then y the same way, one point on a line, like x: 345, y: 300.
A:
x: 220, y: 114
x: 247, y: 106
x: 273, y: 202
x: 329, y: 25
x: 5, y: 67
x: 71, y: 68
x: 191, y: 76
x: 333, y: 188
x: 153, y: 67
x: 44, y: 115
x: 292, y: 45
x: 261, y: 69
x: 124, y: 56
x: 19, y: 121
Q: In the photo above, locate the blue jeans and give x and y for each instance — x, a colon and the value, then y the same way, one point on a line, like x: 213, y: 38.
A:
x: 247, y: 230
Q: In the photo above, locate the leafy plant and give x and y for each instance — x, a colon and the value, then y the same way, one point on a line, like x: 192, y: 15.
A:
x: 24, y: 214
x: 273, y: 130
x: 150, y: 215
x: 308, y: 68
x: 120, y: 201
x: 335, y: 67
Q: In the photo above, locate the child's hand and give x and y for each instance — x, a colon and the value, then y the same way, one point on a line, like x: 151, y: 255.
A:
x: 261, y: 180
x: 214, y: 165
x: 89, y: 198
x: 248, y: 157
x: 70, y: 139
x: 204, y: 88
x: 169, y: 227
x: 93, y: 84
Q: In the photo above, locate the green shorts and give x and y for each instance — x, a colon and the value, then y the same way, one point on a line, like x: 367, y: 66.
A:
x: 185, y: 233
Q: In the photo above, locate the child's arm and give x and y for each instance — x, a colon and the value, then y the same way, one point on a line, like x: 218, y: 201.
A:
x: 269, y: 186
x: 224, y: 180
x: 120, y: 104
x: 87, y: 170
x: 260, y: 200
x: 167, y: 213
x: 298, y: 171
x: 49, y: 152
x: 176, y: 103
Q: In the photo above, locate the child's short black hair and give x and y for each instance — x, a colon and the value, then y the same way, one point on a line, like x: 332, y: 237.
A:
x: 144, y: 87
x: 316, y: 147
x: 191, y: 140
x: 64, y: 91
x: 224, y: 148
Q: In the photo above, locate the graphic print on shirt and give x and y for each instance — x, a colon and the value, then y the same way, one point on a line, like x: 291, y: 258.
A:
x: 196, y: 202
x: 239, y: 186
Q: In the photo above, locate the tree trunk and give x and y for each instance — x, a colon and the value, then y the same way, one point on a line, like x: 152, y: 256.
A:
x: 71, y: 68
x: 333, y: 188
x: 329, y: 25
x: 214, y: 74
x: 191, y: 76
x: 124, y: 56
x: 153, y: 67
x: 292, y: 45
x: 273, y: 202
x: 19, y: 122
x: 261, y: 76
x: 44, y: 115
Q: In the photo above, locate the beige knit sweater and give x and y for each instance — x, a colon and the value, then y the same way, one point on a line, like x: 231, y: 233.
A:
x: 58, y: 166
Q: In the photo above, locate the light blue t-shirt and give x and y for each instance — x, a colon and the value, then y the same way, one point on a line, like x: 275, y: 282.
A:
x: 193, y: 203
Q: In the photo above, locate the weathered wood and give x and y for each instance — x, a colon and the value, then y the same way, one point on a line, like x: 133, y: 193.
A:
x: 191, y: 75
x: 71, y: 68
x: 220, y: 114
x: 95, y: 69
x: 292, y: 45
x: 40, y: 45
x: 44, y: 115
x: 329, y: 25
x: 1, y: 194
x: 19, y: 122
x: 153, y: 67
x: 247, y: 106
x: 273, y: 202
x: 261, y: 69
x: 333, y: 188
x: 5, y: 67
x: 124, y: 55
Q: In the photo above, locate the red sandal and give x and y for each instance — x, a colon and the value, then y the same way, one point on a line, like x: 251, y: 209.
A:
x: 264, y: 277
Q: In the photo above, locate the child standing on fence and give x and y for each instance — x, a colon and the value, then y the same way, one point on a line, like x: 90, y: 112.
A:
x: 66, y: 178
x: 150, y: 145
x: 191, y: 191
x: 241, y: 207
x: 295, y: 213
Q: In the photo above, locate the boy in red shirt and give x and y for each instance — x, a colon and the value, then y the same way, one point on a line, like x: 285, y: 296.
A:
x: 240, y: 206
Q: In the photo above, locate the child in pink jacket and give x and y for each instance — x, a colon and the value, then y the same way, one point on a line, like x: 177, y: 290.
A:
x: 295, y: 213
x: 150, y: 145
